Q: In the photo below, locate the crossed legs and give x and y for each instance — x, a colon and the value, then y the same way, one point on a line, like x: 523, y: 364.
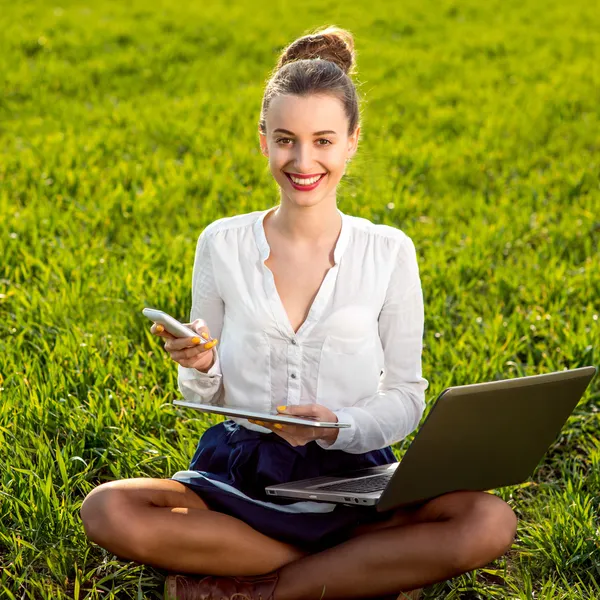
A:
x: 163, y: 523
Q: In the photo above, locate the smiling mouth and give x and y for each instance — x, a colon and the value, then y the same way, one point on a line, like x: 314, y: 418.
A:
x: 307, y: 181
x: 300, y: 176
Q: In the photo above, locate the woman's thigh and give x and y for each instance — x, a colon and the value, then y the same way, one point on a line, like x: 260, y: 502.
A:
x: 453, y: 505
x: 155, y: 492
x: 114, y: 502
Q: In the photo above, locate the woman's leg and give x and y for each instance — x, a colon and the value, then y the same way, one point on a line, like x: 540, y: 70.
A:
x: 447, y: 536
x: 163, y: 523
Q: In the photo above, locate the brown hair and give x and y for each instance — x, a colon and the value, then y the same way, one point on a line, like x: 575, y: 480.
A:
x: 318, y: 63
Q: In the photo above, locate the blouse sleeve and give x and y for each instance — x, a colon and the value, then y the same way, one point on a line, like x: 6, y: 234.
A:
x: 396, y: 408
x: 207, y: 304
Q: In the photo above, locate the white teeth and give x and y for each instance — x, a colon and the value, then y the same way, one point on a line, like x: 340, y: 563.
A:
x: 305, y: 181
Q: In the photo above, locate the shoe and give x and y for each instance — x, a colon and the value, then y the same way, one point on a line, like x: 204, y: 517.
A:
x: 408, y: 595
x: 211, y: 587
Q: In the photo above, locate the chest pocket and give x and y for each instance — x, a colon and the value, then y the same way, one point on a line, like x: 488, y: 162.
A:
x: 349, y: 370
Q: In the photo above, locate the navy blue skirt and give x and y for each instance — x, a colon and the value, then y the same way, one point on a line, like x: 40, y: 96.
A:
x: 250, y: 460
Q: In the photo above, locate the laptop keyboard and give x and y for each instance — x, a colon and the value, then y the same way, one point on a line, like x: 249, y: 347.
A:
x: 364, y: 485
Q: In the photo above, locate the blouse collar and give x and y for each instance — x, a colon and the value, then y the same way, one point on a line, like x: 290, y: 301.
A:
x: 263, y: 244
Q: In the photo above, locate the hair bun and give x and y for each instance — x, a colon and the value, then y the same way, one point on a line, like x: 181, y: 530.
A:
x: 330, y: 43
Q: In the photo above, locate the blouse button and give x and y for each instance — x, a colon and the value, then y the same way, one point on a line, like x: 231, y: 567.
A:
x: 294, y: 342
x: 293, y: 375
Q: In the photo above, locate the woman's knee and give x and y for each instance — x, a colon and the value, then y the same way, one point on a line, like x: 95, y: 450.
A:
x: 111, y: 510
x: 108, y: 515
x: 487, y: 530
x: 104, y: 514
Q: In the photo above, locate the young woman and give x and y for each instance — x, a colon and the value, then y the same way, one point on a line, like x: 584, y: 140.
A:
x: 318, y: 313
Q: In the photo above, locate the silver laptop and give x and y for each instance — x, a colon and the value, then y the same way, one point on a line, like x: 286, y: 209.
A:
x: 476, y: 437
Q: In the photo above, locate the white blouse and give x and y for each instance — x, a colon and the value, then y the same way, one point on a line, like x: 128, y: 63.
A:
x: 357, y: 353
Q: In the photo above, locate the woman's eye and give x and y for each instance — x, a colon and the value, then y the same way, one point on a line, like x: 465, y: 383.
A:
x: 320, y: 140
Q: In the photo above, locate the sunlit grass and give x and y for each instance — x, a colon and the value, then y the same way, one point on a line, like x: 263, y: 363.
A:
x: 127, y: 128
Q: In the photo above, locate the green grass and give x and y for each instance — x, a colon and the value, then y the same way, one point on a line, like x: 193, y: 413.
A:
x: 125, y: 130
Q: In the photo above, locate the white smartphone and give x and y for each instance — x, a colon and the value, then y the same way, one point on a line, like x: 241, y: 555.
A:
x: 172, y: 325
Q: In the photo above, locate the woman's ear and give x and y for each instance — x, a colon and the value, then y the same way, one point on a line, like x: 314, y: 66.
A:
x: 353, y: 143
x: 262, y: 140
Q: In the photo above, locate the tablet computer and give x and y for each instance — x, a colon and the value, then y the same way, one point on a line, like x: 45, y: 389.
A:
x: 244, y: 413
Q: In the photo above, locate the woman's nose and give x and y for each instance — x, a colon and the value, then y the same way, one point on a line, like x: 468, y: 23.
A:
x: 305, y: 160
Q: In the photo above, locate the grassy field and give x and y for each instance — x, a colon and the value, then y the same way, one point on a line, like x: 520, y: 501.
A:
x: 125, y: 130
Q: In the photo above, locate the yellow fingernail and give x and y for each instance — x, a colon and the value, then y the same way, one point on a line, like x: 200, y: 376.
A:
x: 159, y: 328
x: 211, y: 344
x: 205, y: 335
x: 278, y: 426
x: 195, y: 340
x: 281, y: 407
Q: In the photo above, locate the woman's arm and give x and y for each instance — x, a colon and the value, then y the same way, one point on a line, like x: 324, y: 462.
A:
x: 207, y: 304
x: 396, y: 408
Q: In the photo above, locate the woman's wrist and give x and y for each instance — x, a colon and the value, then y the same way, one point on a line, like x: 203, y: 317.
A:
x: 205, y: 368
x: 330, y: 438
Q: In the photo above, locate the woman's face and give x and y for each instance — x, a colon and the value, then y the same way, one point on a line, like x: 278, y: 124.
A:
x: 297, y: 150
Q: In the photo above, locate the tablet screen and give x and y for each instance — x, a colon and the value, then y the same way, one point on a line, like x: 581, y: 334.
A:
x: 244, y: 413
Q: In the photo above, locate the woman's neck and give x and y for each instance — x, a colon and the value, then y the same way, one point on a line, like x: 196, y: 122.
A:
x: 307, y: 224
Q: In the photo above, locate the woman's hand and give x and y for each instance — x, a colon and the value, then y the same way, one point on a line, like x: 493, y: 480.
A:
x: 299, y: 435
x: 189, y: 352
